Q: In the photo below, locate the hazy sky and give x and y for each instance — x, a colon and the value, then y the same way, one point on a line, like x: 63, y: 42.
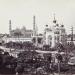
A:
x: 21, y: 13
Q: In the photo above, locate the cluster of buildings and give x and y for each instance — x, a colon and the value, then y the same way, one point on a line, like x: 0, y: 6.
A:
x: 50, y: 36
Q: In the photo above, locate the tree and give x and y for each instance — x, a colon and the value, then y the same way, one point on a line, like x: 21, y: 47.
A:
x: 59, y: 57
x: 46, y: 47
x: 26, y: 60
x: 59, y: 47
x: 49, y: 58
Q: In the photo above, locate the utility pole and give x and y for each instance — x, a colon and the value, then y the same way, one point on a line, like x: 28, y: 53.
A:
x: 72, y: 34
x: 72, y: 42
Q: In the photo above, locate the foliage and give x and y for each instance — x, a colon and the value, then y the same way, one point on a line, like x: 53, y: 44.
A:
x: 59, y: 57
x: 26, y: 59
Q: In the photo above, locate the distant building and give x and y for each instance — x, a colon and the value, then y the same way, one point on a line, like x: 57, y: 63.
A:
x: 54, y: 35
x: 51, y: 35
x: 18, y: 34
x: 38, y: 40
x: 21, y: 34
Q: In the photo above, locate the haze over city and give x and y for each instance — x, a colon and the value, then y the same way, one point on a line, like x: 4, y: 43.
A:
x: 21, y: 13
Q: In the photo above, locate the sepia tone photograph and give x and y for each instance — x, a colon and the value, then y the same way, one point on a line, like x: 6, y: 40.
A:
x: 37, y: 37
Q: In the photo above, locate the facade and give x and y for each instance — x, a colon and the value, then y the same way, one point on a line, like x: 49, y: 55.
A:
x: 51, y: 36
x: 22, y: 34
x: 54, y: 35
x: 48, y: 36
x: 18, y: 34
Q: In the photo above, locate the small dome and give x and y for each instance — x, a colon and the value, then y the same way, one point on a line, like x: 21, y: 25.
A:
x: 62, y: 25
x: 46, y: 25
x: 57, y: 24
x: 54, y: 21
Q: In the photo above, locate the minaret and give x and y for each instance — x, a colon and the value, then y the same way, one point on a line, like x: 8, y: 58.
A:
x: 34, y: 26
x: 10, y: 28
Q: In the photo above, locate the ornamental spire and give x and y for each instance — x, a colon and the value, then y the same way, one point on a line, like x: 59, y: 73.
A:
x: 54, y: 21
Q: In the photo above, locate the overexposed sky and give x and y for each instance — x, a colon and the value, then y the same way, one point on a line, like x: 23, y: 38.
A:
x: 21, y: 13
